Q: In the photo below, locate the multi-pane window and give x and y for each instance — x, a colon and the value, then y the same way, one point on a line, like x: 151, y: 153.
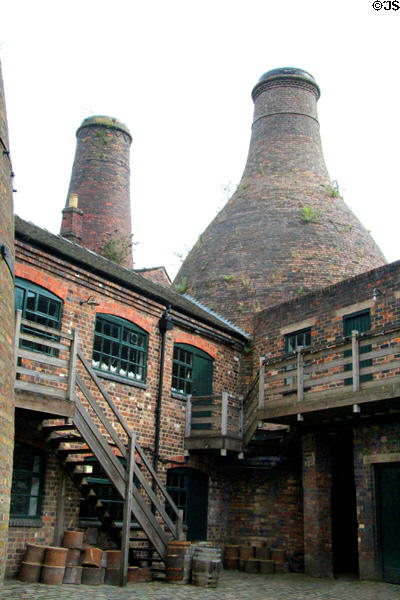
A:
x: 120, y: 348
x: 293, y: 341
x: 296, y: 339
x: 27, y: 482
x: 176, y: 487
x: 40, y: 306
x: 182, y: 371
x: 192, y: 371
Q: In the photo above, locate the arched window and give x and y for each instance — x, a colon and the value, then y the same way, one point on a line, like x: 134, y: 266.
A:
x: 192, y: 371
x: 120, y: 348
x: 40, y: 306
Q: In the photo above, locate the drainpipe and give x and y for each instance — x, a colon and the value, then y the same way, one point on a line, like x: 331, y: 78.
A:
x: 165, y: 324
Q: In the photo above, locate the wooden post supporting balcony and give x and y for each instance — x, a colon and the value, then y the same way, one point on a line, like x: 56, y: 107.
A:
x: 355, y: 350
x: 73, y: 352
x: 300, y: 379
x: 300, y: 374
x: 18, y: 317
x: 261, y: 383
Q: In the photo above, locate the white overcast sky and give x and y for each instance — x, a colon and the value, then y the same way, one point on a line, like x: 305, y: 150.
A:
x: 179, y: 74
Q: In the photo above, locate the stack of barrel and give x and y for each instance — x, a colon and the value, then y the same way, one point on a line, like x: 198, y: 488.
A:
x: 199, y: 563
x: 255, y: 559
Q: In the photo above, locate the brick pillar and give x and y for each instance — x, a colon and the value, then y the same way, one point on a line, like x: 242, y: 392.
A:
x: 317, y: 506
x: 6, y: 332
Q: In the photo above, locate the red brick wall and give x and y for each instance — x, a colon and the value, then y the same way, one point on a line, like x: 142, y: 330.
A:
x: 19, y: 537
x: 137, y: 404
x: 6, y: 332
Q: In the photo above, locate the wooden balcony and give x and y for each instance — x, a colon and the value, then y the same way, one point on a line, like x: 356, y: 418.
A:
x: 45, y: 360
x: 214, y: 423
x: 357, y: 376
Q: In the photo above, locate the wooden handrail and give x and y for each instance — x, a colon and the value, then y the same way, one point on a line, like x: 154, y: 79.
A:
x: 332, y: 371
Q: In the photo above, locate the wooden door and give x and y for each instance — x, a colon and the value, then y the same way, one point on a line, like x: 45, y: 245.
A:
x: 388, y: 517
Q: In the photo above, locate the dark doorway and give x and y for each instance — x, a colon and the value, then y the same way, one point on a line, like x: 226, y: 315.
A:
x: 344, y: 507
x: 189, y: 490
x: 388, y: 513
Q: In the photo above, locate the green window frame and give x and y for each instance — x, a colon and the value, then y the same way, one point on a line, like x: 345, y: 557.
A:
x: 297, y: 338
x: 293, y: 340
x: 27, y: 488
x: 120, y: 348
x: 192, y: 371
x: 40, y: 306
x: 361, y: 322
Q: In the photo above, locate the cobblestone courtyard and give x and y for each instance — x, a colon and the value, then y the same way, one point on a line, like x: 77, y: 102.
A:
x: 233, y: 585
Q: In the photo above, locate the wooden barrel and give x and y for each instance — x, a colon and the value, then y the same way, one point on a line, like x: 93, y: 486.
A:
x: 206, y: 566
x: 55, y: 557
x: 93, y: 575
x: 113, y: 559
x: 278, y: 555
x: 178, y: 562
x: 267, y: 567
x: 73, y: 557
x: 252, y: 565
x: 52, y: 575
x: 73, y: 575
x: 262, y: 553
x: 112, y: 575
x: 34, y: 554
x: 92, y: 557
x: 139, y: 574
x: 72, y: 539
x: 29, y: 572
x: 231, y: 556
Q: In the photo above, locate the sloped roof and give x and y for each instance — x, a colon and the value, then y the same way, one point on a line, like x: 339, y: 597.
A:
x: 79, y: 255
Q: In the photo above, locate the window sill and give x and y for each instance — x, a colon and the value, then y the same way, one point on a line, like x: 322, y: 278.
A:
x: 25, y: 522
x: 182, y: 397
x: 122, y: 380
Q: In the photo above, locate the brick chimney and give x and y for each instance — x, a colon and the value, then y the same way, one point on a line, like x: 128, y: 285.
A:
x: 286, y: 230
x: 98, y: 212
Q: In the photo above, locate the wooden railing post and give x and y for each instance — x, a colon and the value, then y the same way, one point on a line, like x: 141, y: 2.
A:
x: 188, y: 422
x: 224, y: 414
x: 355, y: 351
x: 18, y: 317
x: 73, y: 352
x: 241, y: 417
x: 261, y: 384
x: 128, y: 505
x: 300, y: 374
x: 180, y: 534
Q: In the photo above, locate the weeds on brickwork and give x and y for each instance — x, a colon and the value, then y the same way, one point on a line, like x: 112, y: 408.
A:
x: 181, y: 287
x: 249, y: 347
x: 310, y: 214
x: 333, y: 190
x: 300, y: 291
x: 227, y: 278
x: 116, y: 247
x: 240, y: 306
x: 245, y: 282
x: 294, y: 254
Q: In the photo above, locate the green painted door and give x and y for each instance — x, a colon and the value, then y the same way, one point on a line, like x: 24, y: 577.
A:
x: 388, y: 517
x: 189, y: 490
x: 202, y: 376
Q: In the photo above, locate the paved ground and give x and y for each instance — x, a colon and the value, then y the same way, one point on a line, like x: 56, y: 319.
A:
x: 233, y: 585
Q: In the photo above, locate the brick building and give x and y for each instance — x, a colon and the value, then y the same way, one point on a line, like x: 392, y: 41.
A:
x: 288, y: 439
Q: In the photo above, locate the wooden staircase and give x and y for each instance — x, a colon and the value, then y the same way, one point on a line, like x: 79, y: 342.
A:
x: 96, y: 435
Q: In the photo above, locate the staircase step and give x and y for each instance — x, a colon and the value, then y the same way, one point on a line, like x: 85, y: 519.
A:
x: 66, y: 439
x: 96, y: 480
x: 71, y: 451
x: 51, y: 428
